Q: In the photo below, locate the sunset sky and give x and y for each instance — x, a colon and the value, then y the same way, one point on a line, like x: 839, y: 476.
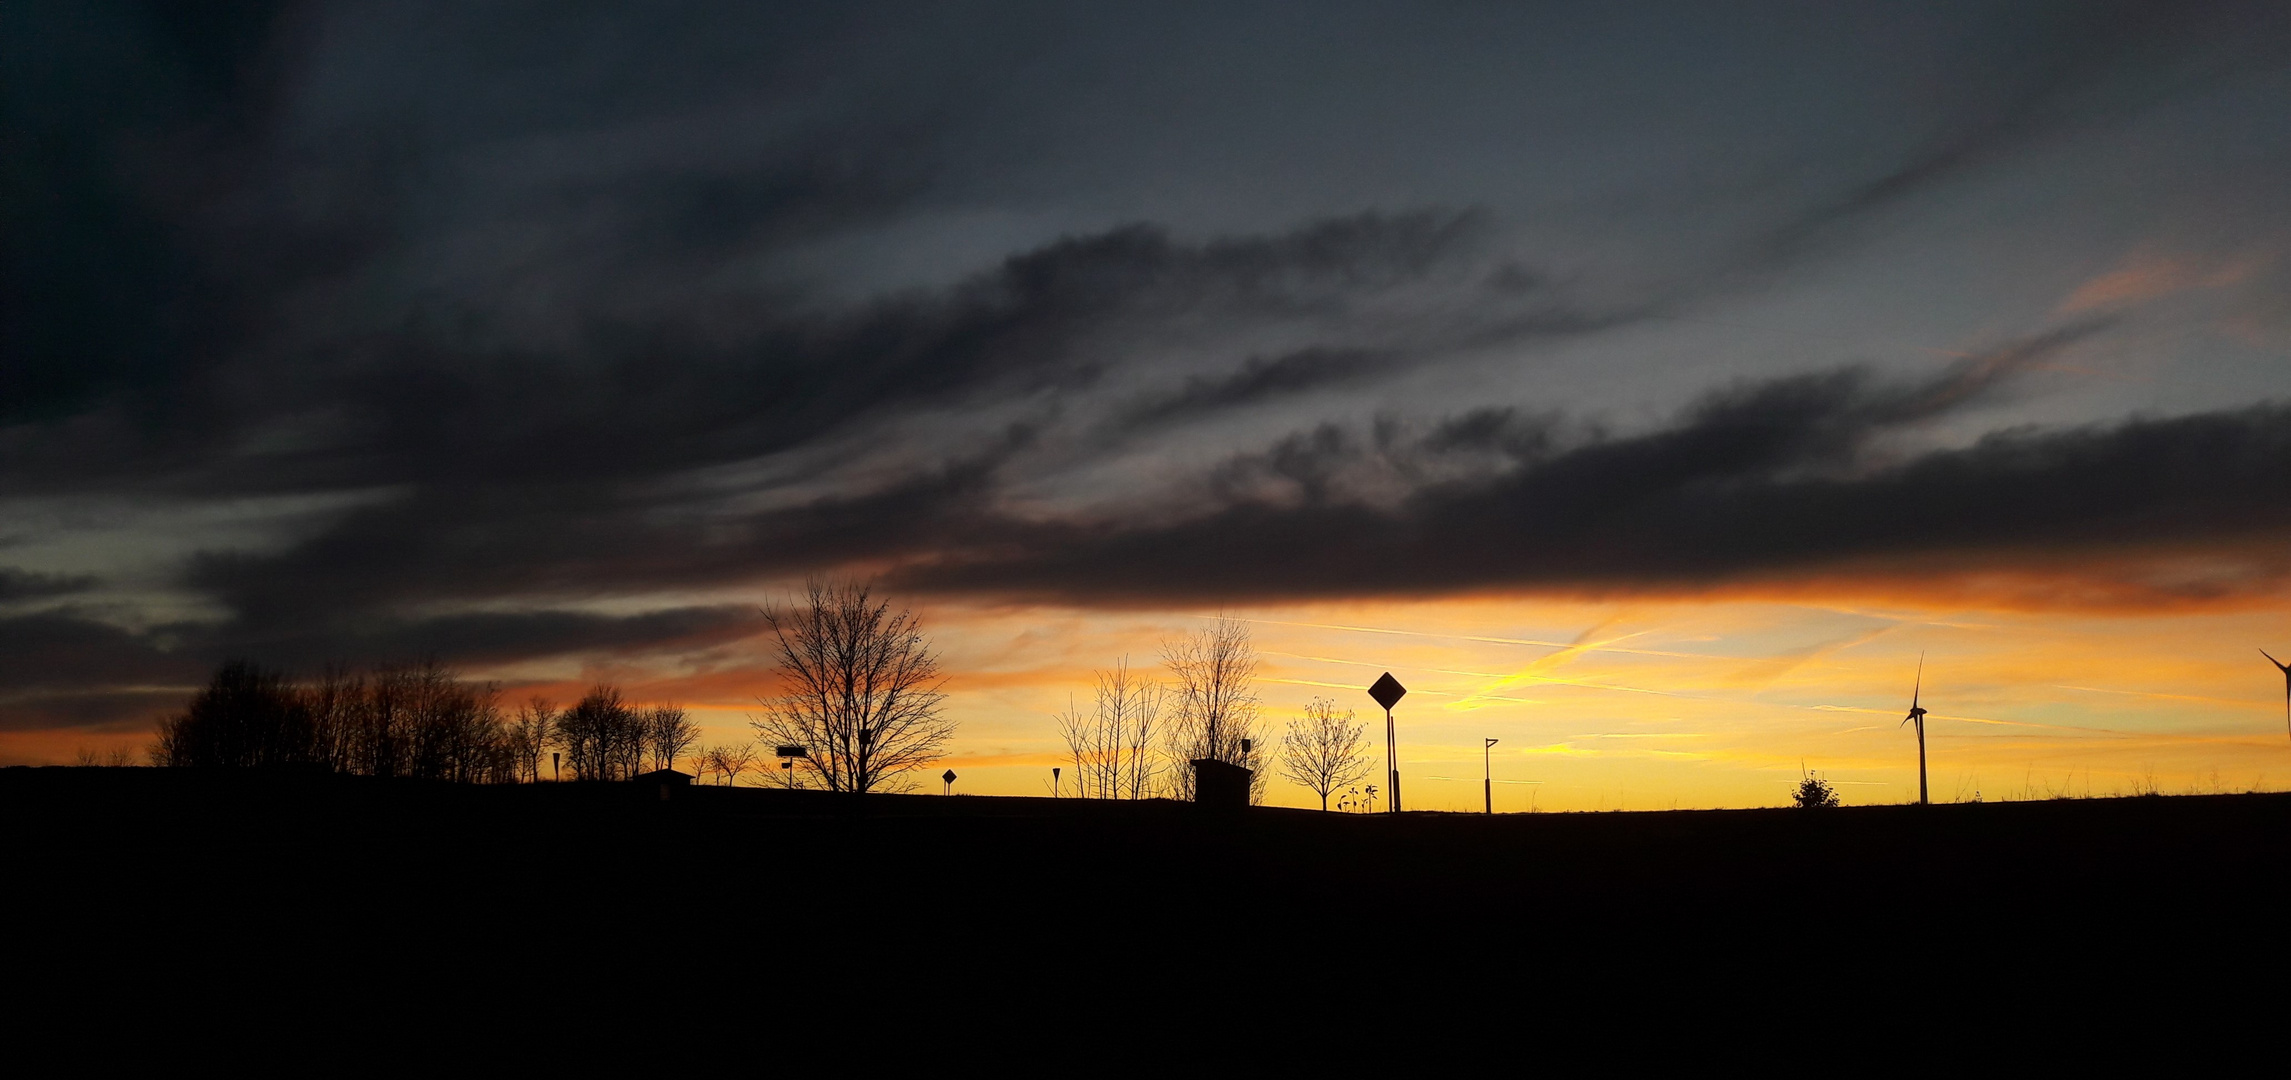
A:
x: 1647, y: 386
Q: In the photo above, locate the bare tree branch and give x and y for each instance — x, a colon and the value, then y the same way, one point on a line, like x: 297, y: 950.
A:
x: 667, y: 734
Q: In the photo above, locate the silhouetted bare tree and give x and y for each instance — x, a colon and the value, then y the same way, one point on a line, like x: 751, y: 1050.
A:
x: 1213, y: 671
x: 534, y: 732
x: 667, y: 734
x: 1326, y: 750
x: 730, y: 761
x: 337, y: 704
x: 246, y: 717
x: 602, y: 738
x: 441, y: 728
x: 859, y: 689
x: 1112, y: 745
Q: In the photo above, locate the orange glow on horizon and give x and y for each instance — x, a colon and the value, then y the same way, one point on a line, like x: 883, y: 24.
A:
x: 1646, y: 703
x: 1637, y: 702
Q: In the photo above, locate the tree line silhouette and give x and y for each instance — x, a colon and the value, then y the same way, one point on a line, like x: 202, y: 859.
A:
x: 860, y: 696
x: 859, y: 709
x: 421, y: 721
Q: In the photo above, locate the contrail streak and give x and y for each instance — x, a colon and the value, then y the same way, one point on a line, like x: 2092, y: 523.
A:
x: 2269, y: 706
x: 1470, y: 637
x: 1345, y: 686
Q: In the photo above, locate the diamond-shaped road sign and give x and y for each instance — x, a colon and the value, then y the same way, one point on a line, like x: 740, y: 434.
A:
x: 1387, y: 691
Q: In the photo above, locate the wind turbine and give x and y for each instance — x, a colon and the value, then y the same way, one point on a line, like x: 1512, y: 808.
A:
x: 1917, y: 714
x: 2286, y: 686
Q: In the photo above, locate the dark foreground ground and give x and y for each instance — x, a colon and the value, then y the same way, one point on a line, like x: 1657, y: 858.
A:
x: 264, y: 876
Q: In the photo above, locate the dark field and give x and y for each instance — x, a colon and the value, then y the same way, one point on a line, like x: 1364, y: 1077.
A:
x: 358, y: 874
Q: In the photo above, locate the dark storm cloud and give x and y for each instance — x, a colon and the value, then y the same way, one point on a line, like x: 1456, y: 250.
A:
x: 96, y: 102
x: 58, y: 650
x: 66, y: 669
x: 19, y: 585
x: 1260, y: 379
x: 628, y: 401
x: 491, y: 637
x: 1787, y: 477
x: 521, y: 476
x: 60, y: 670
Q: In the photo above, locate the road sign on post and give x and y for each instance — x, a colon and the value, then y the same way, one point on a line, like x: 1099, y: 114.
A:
x: 949, y: 778
x: 1387, y: 691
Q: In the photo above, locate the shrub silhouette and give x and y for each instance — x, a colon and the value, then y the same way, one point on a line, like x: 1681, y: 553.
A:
x: 1814, y: 793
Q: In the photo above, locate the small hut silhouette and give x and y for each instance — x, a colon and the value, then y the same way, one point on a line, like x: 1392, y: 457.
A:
x: 1220, y: 785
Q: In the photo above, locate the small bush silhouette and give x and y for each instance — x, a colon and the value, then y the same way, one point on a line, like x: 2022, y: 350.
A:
x: 1814, y: 793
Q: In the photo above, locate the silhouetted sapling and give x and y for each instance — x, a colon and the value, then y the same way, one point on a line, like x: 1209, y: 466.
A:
x: 1325, y: 750
x: 1112, y: 746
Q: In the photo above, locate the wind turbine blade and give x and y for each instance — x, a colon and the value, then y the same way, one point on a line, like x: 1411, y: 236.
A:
x: 2272, y: 660
x: 1920, y: 687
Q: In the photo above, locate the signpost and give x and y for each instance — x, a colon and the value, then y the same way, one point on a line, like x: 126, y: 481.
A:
x: 787, y: 755
x: 1388, y: 693
x: 949, y: 779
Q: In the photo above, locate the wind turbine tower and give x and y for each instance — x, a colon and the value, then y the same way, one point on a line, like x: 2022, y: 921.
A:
x: 2286, y: 668
x: 1917, y: 716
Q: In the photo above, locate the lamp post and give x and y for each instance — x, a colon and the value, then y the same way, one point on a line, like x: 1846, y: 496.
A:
x: 1488, y: 775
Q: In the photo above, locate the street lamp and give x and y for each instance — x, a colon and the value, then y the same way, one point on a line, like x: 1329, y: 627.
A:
x: 1488, y: 774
